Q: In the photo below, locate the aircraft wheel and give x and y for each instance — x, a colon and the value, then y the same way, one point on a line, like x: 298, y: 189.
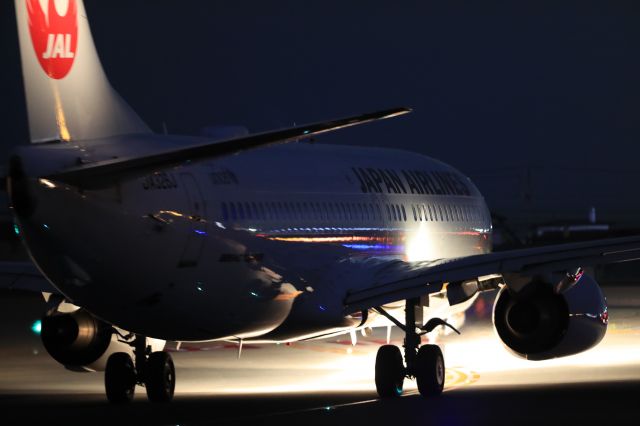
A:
x: 430, y: 370
x: 120, y: 378
x: 160, y: 377
x: 390, y: 371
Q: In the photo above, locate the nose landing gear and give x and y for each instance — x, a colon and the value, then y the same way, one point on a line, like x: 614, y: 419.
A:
x: 153, y: 370
x: 424, y: 363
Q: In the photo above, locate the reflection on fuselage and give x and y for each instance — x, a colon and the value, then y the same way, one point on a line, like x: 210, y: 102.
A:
x: 435, y: 227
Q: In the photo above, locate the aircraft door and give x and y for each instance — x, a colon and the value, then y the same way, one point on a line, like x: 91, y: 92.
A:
x: 196, y: 209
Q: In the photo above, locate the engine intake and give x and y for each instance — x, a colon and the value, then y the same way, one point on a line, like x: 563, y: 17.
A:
x: 75, y: 339
x: 539, y: 322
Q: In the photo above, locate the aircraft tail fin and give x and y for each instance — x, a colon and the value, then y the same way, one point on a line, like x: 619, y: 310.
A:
x: 68, y: 94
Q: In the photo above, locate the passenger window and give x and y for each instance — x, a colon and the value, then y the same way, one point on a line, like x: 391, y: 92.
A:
x: 234, y: 216
x: 388, y: 212
x: 263, y: 214
x: 325, y: 211
x: 404, y: 213
x: 267, y: 208
x: 299, y: 211
x: 225, y: 213
x: 247, y: 210
x: 286, y: 213
x: 378, y: 212
x: 240, y: 211
x: 415, y: 216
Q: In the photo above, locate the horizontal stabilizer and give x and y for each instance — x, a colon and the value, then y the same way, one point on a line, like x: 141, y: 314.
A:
x: 106, y: 172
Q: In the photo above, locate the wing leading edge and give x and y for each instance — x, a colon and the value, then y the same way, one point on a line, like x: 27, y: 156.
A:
x: 404, y: 280
x: 105, y: 172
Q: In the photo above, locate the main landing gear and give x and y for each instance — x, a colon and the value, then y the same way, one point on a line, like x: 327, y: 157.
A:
x: 424, y: 363
x: 153, y: 370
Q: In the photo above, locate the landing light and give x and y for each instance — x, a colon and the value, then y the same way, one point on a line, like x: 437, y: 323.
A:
x: 36, y: 327
x: 420, y: 245
x: 47, y: 183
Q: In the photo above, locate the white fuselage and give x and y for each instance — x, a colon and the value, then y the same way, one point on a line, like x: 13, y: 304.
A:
x: 264, y: 244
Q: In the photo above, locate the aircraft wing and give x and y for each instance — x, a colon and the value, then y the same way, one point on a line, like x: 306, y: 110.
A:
x: 105, y: 172
x: 24, y: 276
x: 398, y: 280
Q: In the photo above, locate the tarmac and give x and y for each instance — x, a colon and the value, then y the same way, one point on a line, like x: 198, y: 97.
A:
x: 333, y: 381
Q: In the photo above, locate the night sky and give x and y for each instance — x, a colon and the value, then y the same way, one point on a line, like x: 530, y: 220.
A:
x: 539, y: 102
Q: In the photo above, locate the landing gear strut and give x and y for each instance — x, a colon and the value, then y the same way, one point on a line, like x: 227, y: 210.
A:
x: 153, y: 370
x: 424, y: 363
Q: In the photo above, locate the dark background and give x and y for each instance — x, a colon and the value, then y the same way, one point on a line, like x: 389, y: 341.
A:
x: 537, y: 101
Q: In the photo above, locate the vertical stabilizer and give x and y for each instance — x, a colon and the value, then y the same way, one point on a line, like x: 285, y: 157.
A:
x: 68, y: 94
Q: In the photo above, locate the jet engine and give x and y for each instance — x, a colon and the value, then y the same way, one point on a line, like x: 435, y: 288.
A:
x: 546, y: 320
x: 80, y: 341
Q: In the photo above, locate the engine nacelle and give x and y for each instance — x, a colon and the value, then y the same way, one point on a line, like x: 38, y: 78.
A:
x: 541, y: 321
x: 80, y: 341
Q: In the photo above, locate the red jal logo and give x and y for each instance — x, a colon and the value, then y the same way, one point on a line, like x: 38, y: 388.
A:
x: 54, y: 37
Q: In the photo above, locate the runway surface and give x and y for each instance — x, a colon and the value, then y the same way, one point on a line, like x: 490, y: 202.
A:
x: 332, y: 381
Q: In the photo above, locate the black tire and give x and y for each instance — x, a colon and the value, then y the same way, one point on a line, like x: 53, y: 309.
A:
x: 120, y: 378
x: 430, y: 371
x: 160, y: 377
x: 390, y: 371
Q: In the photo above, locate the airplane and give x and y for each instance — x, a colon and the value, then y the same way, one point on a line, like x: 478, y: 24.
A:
x: 137, y: 238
